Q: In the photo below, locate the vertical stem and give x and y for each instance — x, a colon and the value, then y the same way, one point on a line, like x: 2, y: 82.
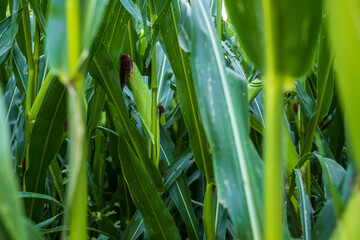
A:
x: 218, y: 18
x: 73, y: 33
x: 29, y: 93
x: 76, y: 199
x: 154, y: 115
x: 36, y: 57
x: 273, y: 198
x: 130, y: 41
x: 273, y: 159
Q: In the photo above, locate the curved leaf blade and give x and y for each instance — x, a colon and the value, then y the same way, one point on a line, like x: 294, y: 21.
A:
x: 45, y: 142
x: 180, y: 64
x: 178, y: 185
x: 158, y: 222
x: 13, y: 225
x: 304, y: 206
x: 104, y: 71
x: 225, y: 115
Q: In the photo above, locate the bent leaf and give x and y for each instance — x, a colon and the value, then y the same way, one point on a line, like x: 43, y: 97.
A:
x: 222, y: 98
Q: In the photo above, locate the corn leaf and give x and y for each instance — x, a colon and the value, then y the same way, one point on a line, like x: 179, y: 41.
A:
x: 180, y: 63
x: 45, y: 142
x: 222, y: 96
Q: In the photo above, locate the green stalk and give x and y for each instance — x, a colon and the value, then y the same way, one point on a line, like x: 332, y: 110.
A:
x: 30, y: 87
x: 273, y: 197
x: 76, y: 198
x: 132, y: 54
x: 36, y: 57
x: 73, y: 33
x: 155, y: 147
x: 218, y: 18
x: 273, y: 158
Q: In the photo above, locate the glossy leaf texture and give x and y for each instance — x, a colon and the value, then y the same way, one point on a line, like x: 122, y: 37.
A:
x: 104, y: 71
x: 135, y: 227
x: 8, y: 30
x: 222, y: 97
x: 157, y: 219
x: 45, y: 142
x: 295, y: 31
x: 180, y: 64
x: 304, y: 205
x: 179, y: 189
x: 13, y: 224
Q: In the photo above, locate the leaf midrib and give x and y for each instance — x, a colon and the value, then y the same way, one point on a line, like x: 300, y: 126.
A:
x: 181, y: 195
x: 190, y: 95
x: 37, y: 179
x: 148, y: 200
x: 239, y: 148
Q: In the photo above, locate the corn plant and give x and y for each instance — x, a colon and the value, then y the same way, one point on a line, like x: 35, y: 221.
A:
x: 178, y: 119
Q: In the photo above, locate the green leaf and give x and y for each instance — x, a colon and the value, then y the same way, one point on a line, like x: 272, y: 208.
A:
x: 135, y: 227
x: 39, y: 196
x: 348, y: 225
x: 325, y: 80
x: 20, y: 68
x: 179, y: 190
x: 36, y: 7
x: 96, y: 104
x: 104, y: 71
x: 247, y: 14
x: 56, y: 38
x: 333, y: 173
x: 157, y: 219
x: 209, y: 213
x: 132, y: 9
x: 180, y: 64
x: 91, y: 15
x: 304, y: 206
x: 107, y: 226
x: 48, y: 221
x: 13, y: 224
x: 294, y: 32
x: 307, y: 105
x: 177, y: 168
x: 66, y: 228
x: 324, y: 67
x: 116, y: 29
x: 222, y: 98
x: 57, y: 178
x: 3, y: 7
x: 325, y: 223
x: 8, y: 30
x: 45, y: 142
x: 344, y: 18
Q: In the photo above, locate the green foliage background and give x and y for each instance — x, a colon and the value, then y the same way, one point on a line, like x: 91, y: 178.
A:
x: 237, y: 119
